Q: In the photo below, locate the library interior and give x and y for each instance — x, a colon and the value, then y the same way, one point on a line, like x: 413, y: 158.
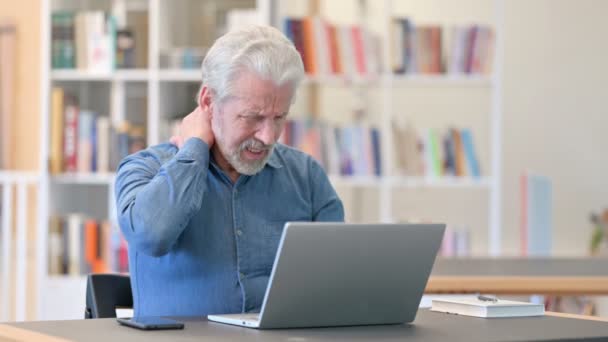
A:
x: 486, y: 116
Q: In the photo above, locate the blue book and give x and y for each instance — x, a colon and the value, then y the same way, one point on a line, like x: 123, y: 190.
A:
x: 94, y: 143
x: 469, y: 153
x: 376, y: 151
x: 537, y: 215
x: 287, y: 29
x: 346, y: 160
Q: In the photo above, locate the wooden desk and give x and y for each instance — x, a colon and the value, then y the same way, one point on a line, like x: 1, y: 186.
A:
x: 428, y: 326
x: 520, y: 276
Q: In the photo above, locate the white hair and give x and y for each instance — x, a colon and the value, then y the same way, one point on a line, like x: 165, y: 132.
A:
x: 263, y: 50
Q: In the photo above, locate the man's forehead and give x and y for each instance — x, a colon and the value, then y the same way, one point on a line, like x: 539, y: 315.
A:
x: 265, y: 102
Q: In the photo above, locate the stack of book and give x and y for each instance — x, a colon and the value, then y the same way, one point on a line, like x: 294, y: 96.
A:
x: 456, y: 242
x: 84, y: 141
x: 80, y: 245
x: 433, y: 154
x: 328, y: 49
x: 421, y: 49
x: 92, y: 41
x: 350, y: 150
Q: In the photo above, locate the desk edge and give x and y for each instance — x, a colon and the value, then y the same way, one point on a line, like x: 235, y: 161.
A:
x: 17, y: 334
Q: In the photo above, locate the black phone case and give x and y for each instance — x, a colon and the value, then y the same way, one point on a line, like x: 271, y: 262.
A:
x: 157, y: 326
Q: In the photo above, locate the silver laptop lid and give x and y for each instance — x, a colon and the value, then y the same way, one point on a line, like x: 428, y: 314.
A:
x: 332, y: 274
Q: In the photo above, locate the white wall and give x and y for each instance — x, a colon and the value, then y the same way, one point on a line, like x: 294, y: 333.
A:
x: 555, y: 112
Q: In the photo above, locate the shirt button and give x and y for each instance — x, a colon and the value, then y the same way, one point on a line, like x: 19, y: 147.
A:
x: 242, y: 275
x: 239, y: 232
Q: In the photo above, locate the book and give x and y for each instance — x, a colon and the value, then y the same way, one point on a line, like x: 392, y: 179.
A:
x: 125, y: 49
x: 328, y: 49
x: 487, y: 308
x: 62, y: 40
x: 536, y: 215
x: 79, y: 244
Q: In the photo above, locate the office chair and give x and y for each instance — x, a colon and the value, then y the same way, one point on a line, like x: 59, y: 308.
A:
x: 105, y: 292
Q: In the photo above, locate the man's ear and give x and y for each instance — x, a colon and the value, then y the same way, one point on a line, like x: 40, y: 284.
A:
x: 205, y: 101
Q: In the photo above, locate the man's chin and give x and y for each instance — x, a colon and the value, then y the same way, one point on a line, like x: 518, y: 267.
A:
x: 251, y: 167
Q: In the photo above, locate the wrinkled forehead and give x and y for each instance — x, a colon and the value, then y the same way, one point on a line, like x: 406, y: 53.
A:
x: 263, y: 95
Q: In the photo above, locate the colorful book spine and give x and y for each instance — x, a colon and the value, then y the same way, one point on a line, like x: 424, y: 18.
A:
x: 80, y: 245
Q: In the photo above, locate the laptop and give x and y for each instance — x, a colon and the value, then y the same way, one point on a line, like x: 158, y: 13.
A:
x: 338, y: 274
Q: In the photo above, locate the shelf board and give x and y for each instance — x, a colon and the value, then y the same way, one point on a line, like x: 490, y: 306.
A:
x: 180, y: 75
x: 410, y: 182
x: 18, y: 176
x: 84, y: 178
x: 84, y: 75
x: 341, y: 80
x: 444, y: 182
x: 450, y: 80
x: 194, y: 75
x: 414, y: 80
x: 64, y: 278
x: 356, y: 181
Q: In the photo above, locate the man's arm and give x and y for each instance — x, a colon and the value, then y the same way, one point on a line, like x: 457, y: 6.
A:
x: 155, y: 201
x: 326, y: 204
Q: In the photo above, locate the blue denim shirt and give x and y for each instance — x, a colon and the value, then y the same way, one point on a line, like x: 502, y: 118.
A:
x: 200, y: 244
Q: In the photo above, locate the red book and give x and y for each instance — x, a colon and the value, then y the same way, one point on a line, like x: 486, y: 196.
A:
x: 298, y: 40
x: 523, y: 186
x: 359, y: 50
x: 70, y: 136
x: 334, y: 53
x: 310, y: 52
x: 91, y: 239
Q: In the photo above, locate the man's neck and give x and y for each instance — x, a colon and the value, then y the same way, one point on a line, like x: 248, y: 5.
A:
x: 224, y: 165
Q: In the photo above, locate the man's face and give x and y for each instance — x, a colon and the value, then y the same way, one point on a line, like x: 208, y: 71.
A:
x: 247, y: 125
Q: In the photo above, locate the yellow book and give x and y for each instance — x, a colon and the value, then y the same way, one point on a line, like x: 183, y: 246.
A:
x: 56, y: 148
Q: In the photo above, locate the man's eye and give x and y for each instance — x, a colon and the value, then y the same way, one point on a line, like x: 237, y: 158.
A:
x: 249, y: 118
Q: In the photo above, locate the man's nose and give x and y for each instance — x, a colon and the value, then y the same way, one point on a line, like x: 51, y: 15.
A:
x: 267, y: 132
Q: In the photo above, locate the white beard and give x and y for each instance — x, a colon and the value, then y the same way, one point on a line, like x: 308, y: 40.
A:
x: 233, y: 156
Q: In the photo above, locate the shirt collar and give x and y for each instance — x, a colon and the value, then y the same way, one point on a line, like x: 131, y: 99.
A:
x: 274, y: 160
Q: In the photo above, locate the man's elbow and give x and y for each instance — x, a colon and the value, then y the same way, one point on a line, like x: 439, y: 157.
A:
x: 148, y: 239
x: 153, y: 247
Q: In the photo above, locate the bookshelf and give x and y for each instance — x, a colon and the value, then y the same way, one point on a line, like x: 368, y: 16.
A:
x: 386, y: 95
x: 157, y: 91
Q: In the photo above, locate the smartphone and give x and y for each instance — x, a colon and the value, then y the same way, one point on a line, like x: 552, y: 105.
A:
x: 151, y: 323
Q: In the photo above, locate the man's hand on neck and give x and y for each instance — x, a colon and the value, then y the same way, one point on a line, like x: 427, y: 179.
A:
x: 197, y: 124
